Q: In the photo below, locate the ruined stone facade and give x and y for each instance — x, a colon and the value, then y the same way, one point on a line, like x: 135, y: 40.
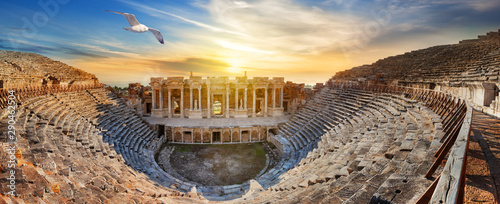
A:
x: 221, y: 97
x: 137, y: 98
x: 174, y: 100
x: 212, y: 135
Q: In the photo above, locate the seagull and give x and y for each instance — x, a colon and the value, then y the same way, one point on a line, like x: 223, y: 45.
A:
x: 136, y: 27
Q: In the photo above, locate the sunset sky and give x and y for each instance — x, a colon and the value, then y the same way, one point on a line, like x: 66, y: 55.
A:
x: 304, y: 41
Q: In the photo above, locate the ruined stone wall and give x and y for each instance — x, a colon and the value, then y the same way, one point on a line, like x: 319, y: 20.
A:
x: 226, y: 135
x: 20, y: 69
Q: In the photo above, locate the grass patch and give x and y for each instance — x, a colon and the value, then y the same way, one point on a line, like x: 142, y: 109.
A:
x: 259, y: 151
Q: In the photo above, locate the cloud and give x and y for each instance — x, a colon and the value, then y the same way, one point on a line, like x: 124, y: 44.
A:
x: 28, y: 46
x: 34, y: 49
x: 209, y: 62
x: 100, y: 49
x: 283, y: 25
x: 148, y: 9
x: 13, y: 29
x: 198, y: 65
x: 239, y: 47
x: 78, y: 52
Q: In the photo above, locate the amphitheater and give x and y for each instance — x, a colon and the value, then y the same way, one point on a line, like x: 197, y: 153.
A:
x: 395, y: 131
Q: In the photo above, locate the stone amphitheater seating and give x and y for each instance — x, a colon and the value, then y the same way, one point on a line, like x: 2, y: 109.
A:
x: 475, y: 60
x: 345, y: 145
x: 448, y: 60
x: 349, y: 145
x: 82, y: 141
x: 483, y: 70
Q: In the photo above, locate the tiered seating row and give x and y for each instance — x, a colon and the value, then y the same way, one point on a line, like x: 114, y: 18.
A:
x: 364, y: 147
x: 67, y: 134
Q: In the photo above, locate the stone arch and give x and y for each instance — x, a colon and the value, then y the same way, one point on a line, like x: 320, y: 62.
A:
x: 226, y: 136
x: 206, y: 137
x: 236, y: 136
x: 177, y: 136
x: 197, y: 137
x: 254, y: 136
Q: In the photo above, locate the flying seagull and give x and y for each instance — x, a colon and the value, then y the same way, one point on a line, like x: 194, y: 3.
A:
x: 136, y: 27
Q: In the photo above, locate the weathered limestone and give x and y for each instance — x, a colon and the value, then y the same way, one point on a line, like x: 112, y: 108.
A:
x: 21, y: 69
x: 232, y: 95
x: 343, y: 146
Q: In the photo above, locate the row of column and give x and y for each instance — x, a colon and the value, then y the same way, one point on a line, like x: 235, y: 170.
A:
x: 236, y: 100
x: 265, y: 100
x: 191, y: 104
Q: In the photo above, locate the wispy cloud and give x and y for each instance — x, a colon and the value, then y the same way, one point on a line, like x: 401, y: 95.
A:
x: 100, y: 49
x: 283, y: 25
x: 27, y: 46
x: 148, y: 9
x: 239, y: 47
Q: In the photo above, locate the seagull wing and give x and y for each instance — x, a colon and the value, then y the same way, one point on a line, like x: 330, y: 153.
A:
x: 157, y: 34
x: 130, y: 17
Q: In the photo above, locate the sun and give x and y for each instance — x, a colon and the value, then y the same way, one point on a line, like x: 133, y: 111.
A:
x: 234, y: 69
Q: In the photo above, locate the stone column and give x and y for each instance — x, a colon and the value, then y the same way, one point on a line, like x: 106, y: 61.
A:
x: 281, y: 97
x: 161, y: 99
x: 245, y: 100
x: 169, y: 103
x: 199, y: 98
x: 274, y: 98
x: 253, y: 104
x: 154, y: 98
x: 190, y: 99
x: 265, y: 101
x: 236, y: 107
x: 227, y: 101
x: 209, y: 114
x: 182, y: 102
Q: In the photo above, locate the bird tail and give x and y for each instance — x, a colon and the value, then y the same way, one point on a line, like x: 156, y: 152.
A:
x: 126, y: 29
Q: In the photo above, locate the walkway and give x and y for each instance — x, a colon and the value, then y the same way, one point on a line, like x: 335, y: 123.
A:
x: 219, y: 122
x: 483, y: 162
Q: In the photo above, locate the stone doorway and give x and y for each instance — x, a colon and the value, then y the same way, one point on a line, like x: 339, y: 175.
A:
x: 245, y: 136
x: 161, y: 130
x: 177, y: 106
x: 217, y: 108
x: 216, y: 137
x: 148, y: 108
x: 259, y: 107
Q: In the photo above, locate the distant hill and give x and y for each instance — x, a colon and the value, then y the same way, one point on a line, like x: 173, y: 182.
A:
x: 18, y: 69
